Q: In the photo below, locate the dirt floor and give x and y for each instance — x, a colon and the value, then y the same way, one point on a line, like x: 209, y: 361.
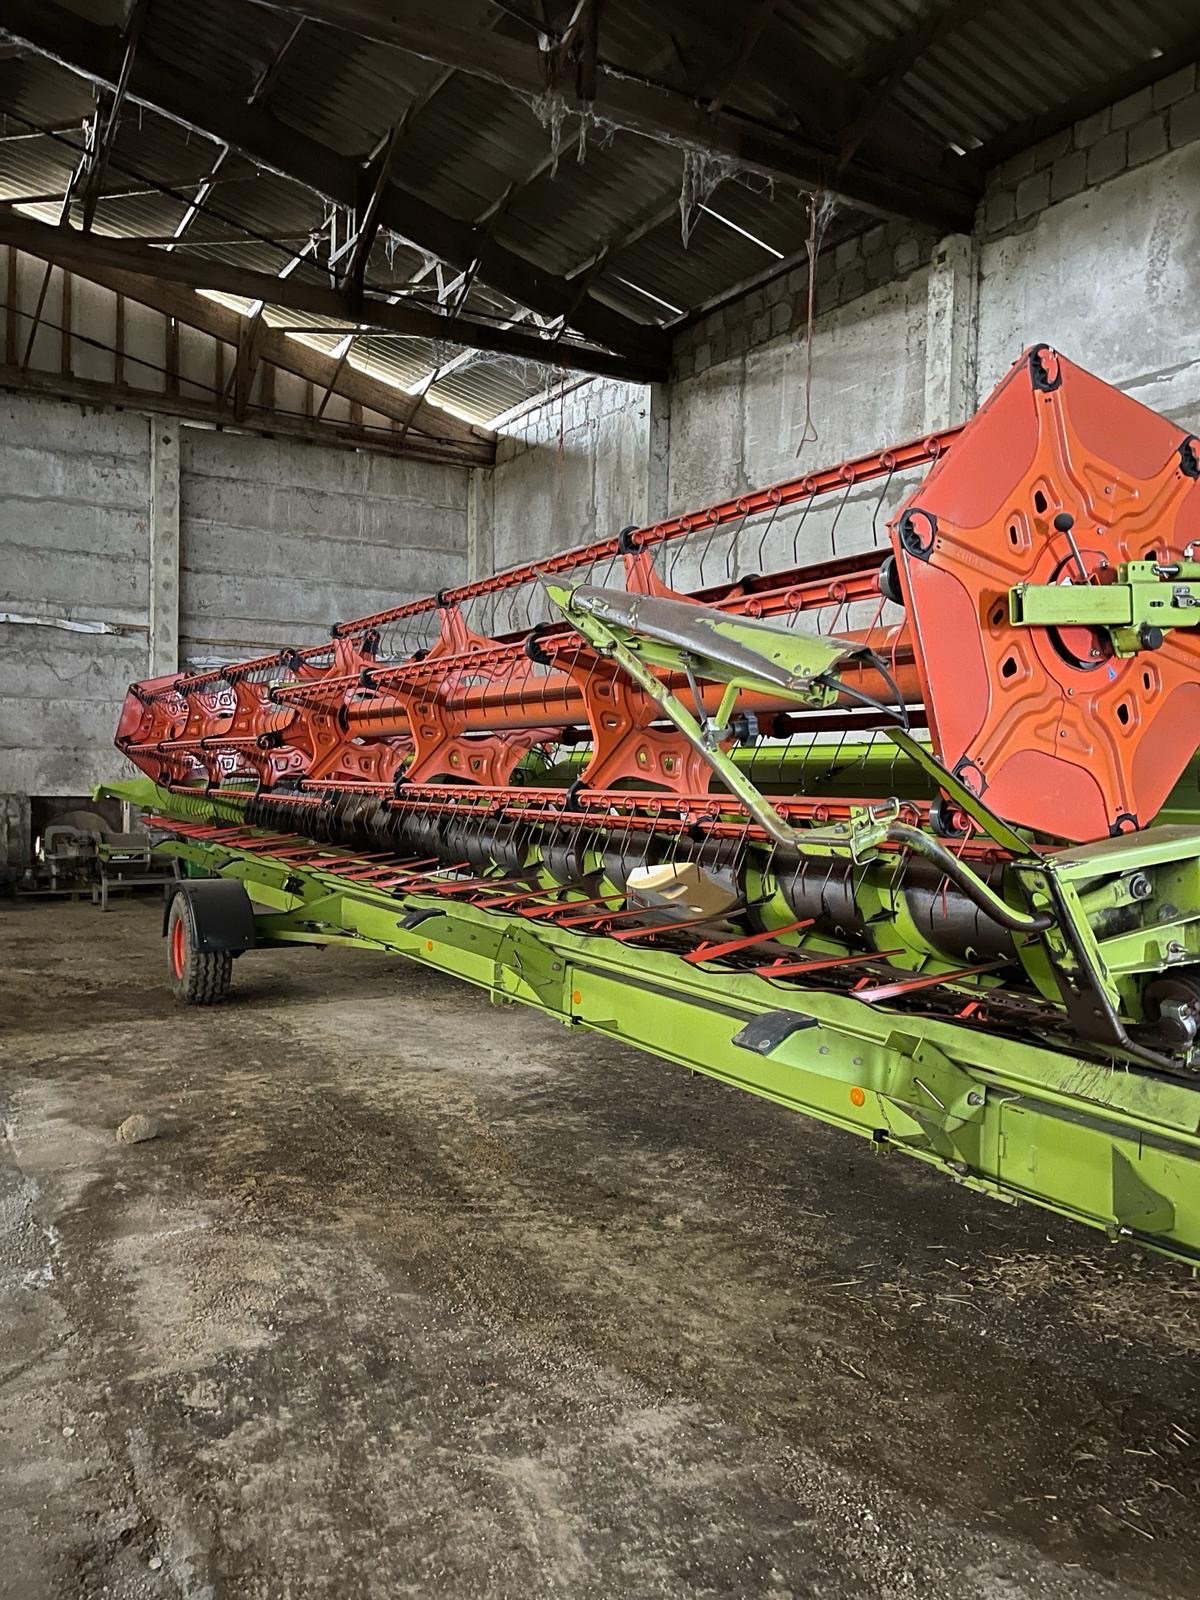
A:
x: 416, y: 1296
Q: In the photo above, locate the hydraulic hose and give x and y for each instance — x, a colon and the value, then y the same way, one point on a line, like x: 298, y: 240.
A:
x: 961, y: 875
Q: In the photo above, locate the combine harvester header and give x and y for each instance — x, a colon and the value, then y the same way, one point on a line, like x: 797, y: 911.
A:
x: 906, y: 837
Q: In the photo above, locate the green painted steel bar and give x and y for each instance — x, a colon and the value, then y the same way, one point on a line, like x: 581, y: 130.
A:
x: 1115, y: 1149
x: 1145, y: 601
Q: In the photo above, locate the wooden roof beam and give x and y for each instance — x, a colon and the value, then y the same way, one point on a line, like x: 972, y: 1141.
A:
x: 475, y: 444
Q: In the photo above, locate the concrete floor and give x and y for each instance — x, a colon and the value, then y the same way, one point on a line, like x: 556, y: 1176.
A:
x: 415, y: 1296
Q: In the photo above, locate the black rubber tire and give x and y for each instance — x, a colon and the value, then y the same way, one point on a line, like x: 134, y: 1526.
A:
x: 197, y: 977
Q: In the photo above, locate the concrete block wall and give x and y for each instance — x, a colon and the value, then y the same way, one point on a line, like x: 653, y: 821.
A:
x: 846, y: 270
x: 583, y: 465
x: 276, y: 540
x: 74, y: 553
x: 1160, y: 117
x: 744, y: 422
x: 570, y: 469
x: 279, y: 540
x: 1104, y: 265
x: 741, y: 423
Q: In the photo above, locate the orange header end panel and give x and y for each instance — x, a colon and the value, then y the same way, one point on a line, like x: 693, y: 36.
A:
x: 1048, y: 725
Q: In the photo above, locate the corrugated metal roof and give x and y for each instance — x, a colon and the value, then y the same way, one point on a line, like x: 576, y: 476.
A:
x: 34, y: 88
x: 1009, y: 62
x: 485, y: 155
x: 570, y: 213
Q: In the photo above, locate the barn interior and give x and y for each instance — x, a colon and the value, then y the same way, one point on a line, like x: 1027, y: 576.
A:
x: 323, y: 310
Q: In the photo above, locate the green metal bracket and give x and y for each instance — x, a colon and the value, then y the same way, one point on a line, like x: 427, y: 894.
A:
x: 1146, y: 600
x: 1137, y: 1206
x: 934, y: 1086
x: 527, y: 969
x: 967, y: 801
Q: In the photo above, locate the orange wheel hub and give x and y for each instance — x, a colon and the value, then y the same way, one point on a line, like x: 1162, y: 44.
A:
x: 179, y: 944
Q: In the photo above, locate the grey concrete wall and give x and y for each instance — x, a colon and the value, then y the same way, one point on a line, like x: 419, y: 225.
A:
x: 741, y: 423
x: 572, y: 469
x: 745, y: 423
x: 277, y: 540
x: 1110, y: 277
x: 74, y: 548
x: 584, y: 465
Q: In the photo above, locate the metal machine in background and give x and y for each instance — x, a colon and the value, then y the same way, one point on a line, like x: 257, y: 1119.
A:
x: 906, y: 837
x: 79, y: 855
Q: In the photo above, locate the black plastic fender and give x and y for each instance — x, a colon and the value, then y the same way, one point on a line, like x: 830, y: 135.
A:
x: 222, y: 914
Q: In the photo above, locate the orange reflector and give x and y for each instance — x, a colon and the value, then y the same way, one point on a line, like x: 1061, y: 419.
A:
x: 858, y: 1097
x: 429, y: 944
x: 576, y: 997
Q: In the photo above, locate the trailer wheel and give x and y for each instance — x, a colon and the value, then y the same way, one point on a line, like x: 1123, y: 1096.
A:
x: 197, y: 977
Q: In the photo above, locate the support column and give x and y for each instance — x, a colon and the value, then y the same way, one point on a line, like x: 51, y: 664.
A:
x: 658, y: 465
x: 16, y: 831
x: 951, y: 332
x: 164, y: 547
x: 481, y: 544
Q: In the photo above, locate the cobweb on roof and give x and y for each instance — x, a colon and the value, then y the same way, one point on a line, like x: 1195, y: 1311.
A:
x: 821, y: 209
x: 554, y: 112
x: 523, y: 371
x: 593, y: 130
x: 551, y: 110
x: 704, y: 171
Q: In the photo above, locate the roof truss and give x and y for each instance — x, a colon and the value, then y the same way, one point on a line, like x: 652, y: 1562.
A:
x: 97, y: 54
x: 68, y: 247
x: 418, y: 428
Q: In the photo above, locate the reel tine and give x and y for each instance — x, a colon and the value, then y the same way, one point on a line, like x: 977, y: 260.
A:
x: 879, y: 503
